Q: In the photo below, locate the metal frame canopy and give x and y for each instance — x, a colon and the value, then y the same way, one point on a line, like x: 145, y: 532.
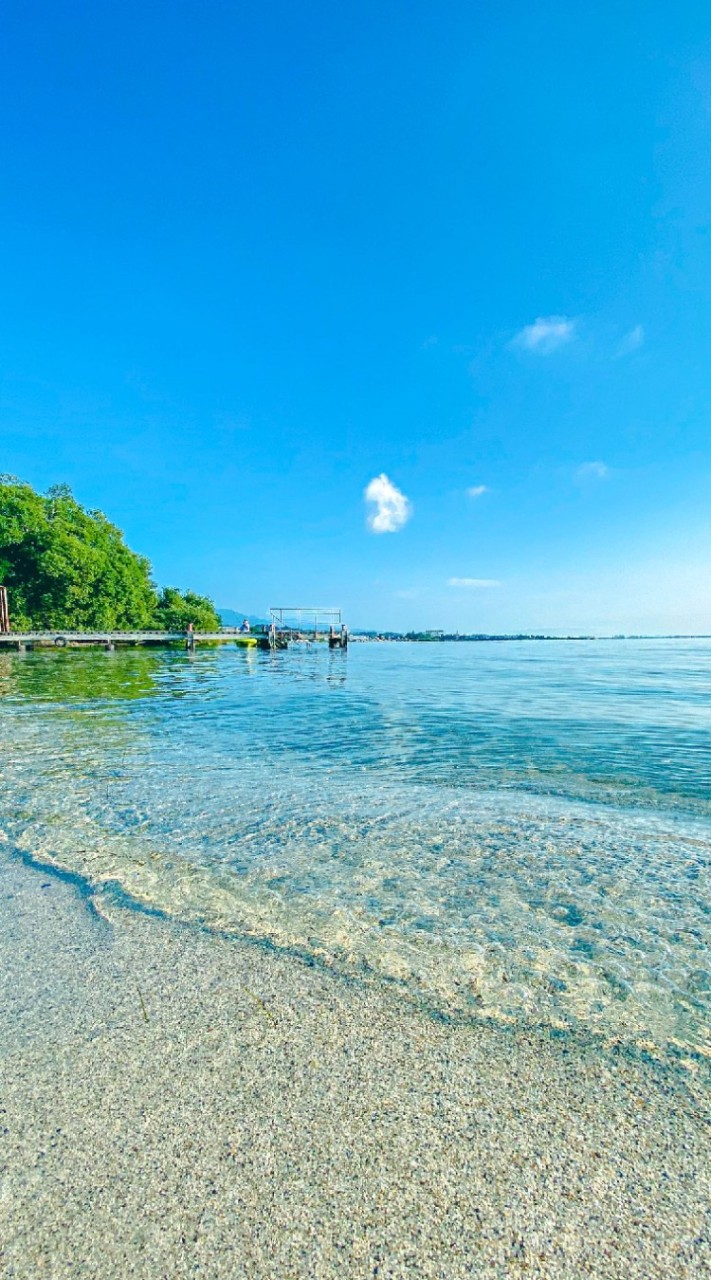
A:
x: 304, y: 617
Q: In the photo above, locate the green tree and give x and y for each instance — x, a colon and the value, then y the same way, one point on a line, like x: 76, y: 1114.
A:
x: 69, y: 568
x: 176, y: 609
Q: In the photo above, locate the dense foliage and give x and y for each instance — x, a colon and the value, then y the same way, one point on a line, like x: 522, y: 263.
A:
x: 66, y: 567
x: 176, y: 609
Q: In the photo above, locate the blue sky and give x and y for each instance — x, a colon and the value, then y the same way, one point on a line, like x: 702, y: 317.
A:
x: 255, y: 258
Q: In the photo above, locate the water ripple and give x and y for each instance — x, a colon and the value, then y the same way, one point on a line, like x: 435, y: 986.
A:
x: 516, y: 831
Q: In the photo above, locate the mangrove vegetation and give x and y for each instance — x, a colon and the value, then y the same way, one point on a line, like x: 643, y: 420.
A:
x: 66, y: 567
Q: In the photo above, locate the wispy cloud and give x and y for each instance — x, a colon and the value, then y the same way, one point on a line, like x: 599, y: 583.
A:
x: 592, y: 471
x: 632, y: 341
x: 390, y: 508
x: 473, y: 583
x: 546, y: 334
x: 407, y: 593
x: 476, y: 490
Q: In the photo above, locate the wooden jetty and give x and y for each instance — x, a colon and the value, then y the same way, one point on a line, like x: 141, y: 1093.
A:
x: 287, y: 625
x: 127, y: 639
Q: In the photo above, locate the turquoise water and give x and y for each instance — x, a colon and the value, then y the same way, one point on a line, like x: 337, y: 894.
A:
x: 518, y: 831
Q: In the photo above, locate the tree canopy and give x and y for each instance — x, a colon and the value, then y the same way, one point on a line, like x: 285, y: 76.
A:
x: 177, y: 608
x: 67, y: 567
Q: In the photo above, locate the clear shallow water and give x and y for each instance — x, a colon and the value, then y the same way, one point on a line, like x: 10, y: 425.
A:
x: 518, y: 830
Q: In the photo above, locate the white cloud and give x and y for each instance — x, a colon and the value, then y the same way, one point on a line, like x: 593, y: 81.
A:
x: 593, y: 471
x: 391, y: 510
x: 408, y: 593
x: 477, y: 490
x: 546, y: 334
x: 474, y: 583
x: 632, y: 341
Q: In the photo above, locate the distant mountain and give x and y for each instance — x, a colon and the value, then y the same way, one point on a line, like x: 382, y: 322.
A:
x: 231, y: 618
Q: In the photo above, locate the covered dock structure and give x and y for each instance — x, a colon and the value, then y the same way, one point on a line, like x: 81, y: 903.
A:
x: 309, y: 622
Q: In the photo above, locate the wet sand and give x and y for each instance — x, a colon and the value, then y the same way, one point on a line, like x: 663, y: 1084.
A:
x: 174, y: 1104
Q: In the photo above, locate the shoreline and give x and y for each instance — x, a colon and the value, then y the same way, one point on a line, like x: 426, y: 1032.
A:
x: 690, y: 1067
x: 178, y: 1103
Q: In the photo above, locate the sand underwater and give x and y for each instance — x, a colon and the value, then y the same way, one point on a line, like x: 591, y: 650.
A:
x: 179, y: 1104
x: 418, y: 988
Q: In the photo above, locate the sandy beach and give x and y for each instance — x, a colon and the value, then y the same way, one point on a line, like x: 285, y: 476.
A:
x: 176, y: 1104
